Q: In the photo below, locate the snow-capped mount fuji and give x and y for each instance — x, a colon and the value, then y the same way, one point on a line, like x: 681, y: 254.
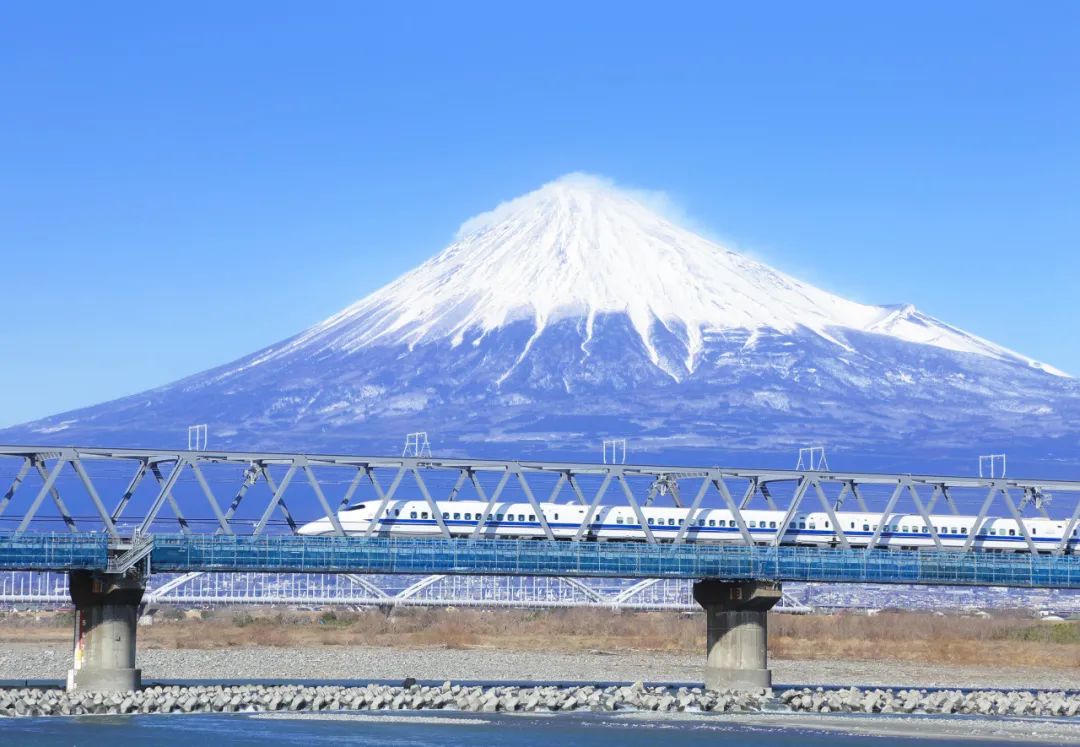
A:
x: 578, y: 312
x: 577, y: 249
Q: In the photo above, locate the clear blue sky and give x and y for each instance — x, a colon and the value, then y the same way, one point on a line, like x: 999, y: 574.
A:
x: 182, y: 184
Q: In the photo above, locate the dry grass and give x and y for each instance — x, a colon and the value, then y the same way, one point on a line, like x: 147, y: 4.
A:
x: 1000, y: 640
x: 566, y: 630
x: 1010, y: 640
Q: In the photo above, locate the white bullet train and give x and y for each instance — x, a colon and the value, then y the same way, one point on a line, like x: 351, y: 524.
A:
x: 413, y: 518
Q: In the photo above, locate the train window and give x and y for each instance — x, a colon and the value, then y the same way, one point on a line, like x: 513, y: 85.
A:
x: 1012, y: 532
x: 423, y: 515
x: 753, y: 525
x: 866, y: 527
x: 802, y: 525
x: 498, y: 517
x: 827, y: 525
x: 446, y: 516
x: 457, y: 516
x: 963, y: 530
x: 732, y: 524
x: 681, y: 521
x: 772, y: 525
x: 556, y: 517
x: 1033, y: 531
x: 532, y: 518
x: 412, y: 515
x: 701, y: 522
x: 618, y: 520
x: 712, y: 522
x: 993, y: 531
x: 671, y: 522
x: 650, y: 520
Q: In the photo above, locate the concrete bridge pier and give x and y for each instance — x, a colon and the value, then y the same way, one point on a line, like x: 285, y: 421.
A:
x: 106, y: 616
x: 736, y: 615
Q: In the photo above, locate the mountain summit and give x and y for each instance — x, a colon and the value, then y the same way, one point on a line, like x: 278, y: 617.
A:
x: 578, y: 311
x: 579, y: 248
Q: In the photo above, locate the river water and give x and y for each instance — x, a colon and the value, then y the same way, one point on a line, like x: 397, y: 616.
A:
x: 443, y: 730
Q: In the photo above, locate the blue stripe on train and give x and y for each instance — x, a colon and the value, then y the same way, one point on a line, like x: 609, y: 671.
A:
x: 730, y: 530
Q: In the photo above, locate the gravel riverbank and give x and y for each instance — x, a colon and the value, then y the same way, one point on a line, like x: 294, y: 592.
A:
x: 51, y: 662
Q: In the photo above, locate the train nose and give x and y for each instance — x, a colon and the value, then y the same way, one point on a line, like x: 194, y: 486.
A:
x: 313, y: 528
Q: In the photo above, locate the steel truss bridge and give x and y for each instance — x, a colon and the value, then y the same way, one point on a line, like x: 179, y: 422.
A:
x: 205, y: 511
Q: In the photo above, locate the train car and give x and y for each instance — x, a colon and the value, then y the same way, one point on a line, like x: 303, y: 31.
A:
x: 415, y: 518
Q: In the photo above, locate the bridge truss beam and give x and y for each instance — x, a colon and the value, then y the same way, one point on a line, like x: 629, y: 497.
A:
x: 202, y: 589
x: 186, y: 485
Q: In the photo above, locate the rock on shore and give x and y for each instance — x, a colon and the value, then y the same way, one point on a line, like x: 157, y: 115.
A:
x: 409, y: 696
x: 981, y: 702
x: 637, y: 697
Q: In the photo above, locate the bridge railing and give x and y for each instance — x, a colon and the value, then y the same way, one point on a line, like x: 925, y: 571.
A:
x: 54, y: 551
x: 390, y: 555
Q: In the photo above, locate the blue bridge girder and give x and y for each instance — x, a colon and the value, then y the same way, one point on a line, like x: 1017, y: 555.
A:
x: 385, y: 555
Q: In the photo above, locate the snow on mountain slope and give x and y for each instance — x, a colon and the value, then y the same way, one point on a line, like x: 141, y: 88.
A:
x: 579, y: 247
x: 577, y: 312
